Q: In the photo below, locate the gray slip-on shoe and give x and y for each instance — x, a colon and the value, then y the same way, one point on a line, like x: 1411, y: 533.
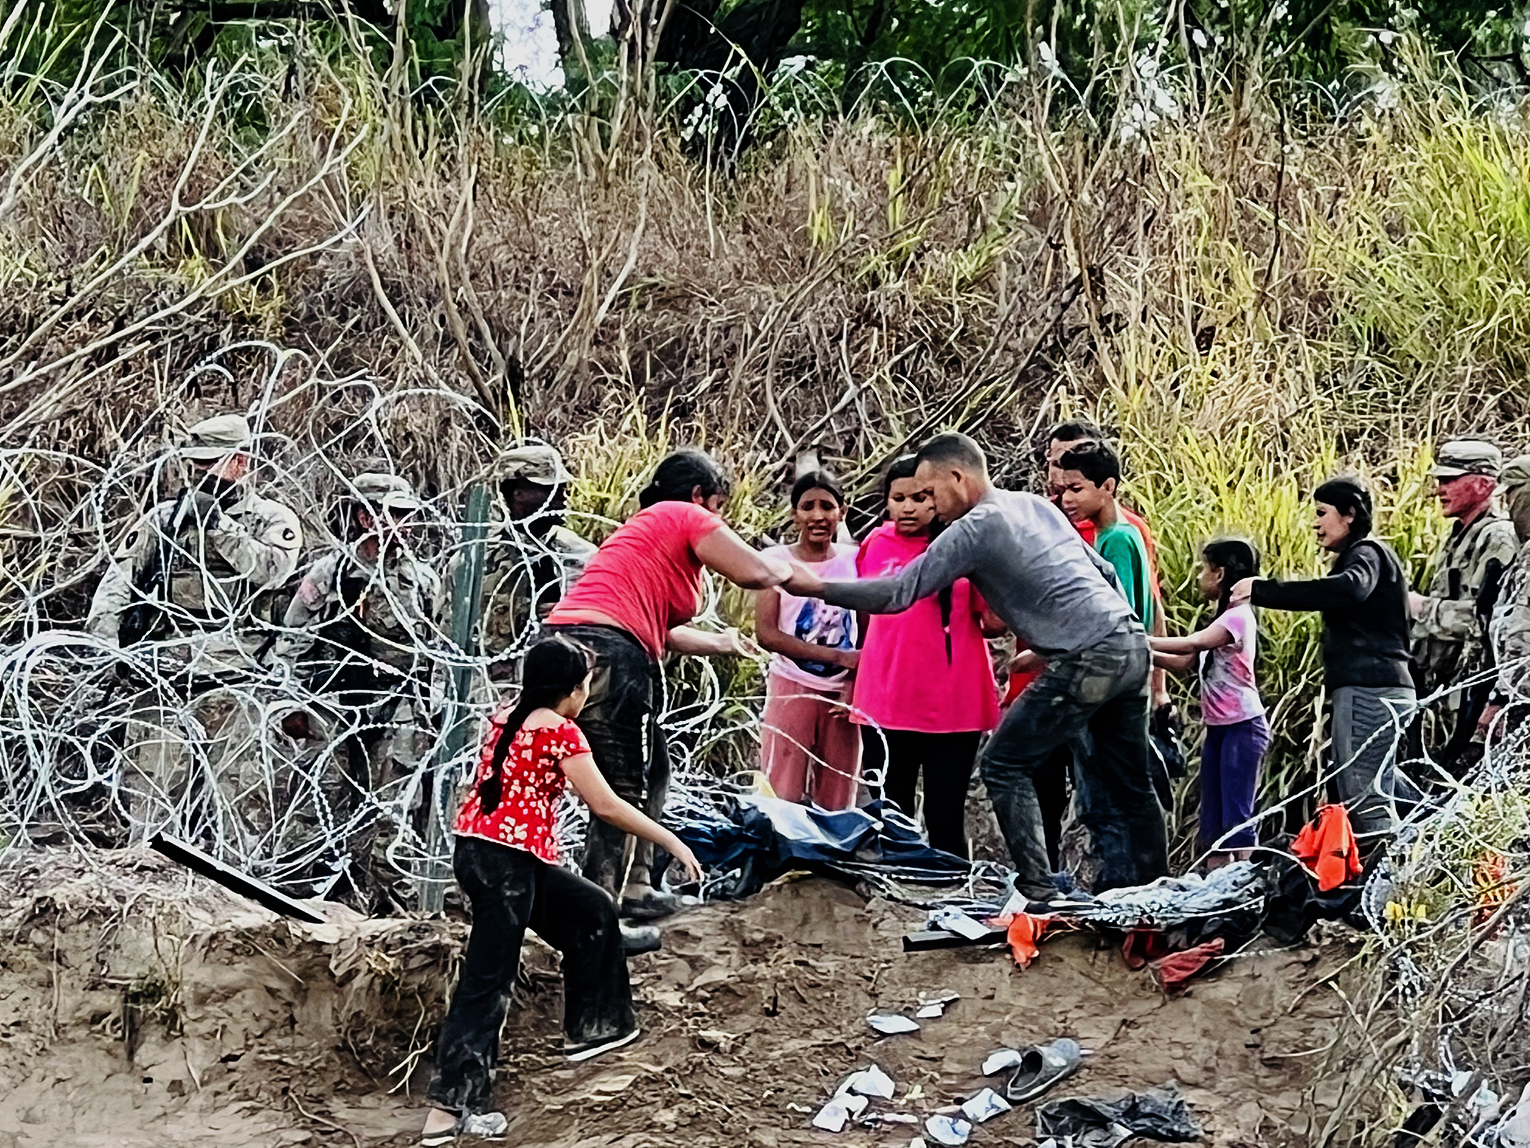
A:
x: 1042, y: 1068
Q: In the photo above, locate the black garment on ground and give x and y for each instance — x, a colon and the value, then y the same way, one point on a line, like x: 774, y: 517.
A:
x: 621, y: 722
x: 511, y: 891
x: 947, y: 759
x: 1364, y: 603
x: 1157, y: 1114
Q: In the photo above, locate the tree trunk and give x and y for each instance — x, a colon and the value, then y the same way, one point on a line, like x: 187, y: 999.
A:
x: 572, y: 26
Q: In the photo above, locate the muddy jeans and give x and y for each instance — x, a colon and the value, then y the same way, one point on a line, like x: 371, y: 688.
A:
x: 1096, y: 701
x: 621, y: 722
x: 1368, y: 725
x: 511, y: 891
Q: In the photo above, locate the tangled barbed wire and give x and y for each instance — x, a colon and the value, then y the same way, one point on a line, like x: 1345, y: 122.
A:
x: 219, y: 732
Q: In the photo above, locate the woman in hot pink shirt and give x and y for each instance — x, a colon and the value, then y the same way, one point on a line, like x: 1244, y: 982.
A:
x: 925, y: 679
x: 631, y: 604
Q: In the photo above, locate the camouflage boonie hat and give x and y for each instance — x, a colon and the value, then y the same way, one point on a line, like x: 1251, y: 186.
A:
x: 387, y: 492
x: 1467, y: 456
x: 1515, y: 473
x: 216, y: 438
x: 537, y: 464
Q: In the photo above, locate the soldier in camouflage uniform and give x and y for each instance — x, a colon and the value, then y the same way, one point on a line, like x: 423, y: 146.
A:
x: 231, y: 545
x: 532, y: 558
x: 1447, y: 637
x: 359, y: 629
x: 1510, y: 628
x: 187, y: 591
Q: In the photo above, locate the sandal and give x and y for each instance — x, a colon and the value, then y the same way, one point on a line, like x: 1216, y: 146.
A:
x: 1042, y: 1068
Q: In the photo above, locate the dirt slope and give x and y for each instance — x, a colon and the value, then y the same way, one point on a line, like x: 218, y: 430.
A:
x: 145, y: 1007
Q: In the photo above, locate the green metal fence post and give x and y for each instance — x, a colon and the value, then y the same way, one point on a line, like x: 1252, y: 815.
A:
x: 467, y: 588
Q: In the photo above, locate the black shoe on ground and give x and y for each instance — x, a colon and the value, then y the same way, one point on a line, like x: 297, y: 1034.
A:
x: 589, y: 1049
x: 638, y: 939
x: 651, y: 906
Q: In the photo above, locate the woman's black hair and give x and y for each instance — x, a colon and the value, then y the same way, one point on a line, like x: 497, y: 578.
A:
x: 905, y: 467
x: 553, y: 668
x: 1348, y: 496
x: 817, y: 480
x: 680, y: 474
x: 1236, y: 558
x: 902, y: 467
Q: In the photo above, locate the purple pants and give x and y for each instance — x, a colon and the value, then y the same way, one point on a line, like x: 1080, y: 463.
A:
x: 1230, y: 758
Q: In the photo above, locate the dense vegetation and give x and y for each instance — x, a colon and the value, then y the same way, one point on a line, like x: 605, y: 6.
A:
x: 1253, y: 285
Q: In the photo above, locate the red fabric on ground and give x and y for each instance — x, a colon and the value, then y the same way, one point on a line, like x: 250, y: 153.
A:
x: 1143, y: 946
x: 1173, y: 971
x: 1327, y: 847
x: 1024, y: 933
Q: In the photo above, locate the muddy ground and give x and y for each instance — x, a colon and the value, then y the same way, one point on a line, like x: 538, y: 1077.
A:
x: 142, y: 1006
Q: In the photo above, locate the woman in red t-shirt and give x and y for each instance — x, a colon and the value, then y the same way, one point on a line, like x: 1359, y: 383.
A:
x: 631, y: 604
x: 507, y: 862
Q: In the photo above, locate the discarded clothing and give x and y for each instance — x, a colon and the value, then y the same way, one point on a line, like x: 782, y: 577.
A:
x: 1024, y: 933
x: 1173, y: 971
x: 763, y: 837
x: 1157, y: 1114
x: 1295, y: 902
x: 1327, y: 847
x: 1171, y: 901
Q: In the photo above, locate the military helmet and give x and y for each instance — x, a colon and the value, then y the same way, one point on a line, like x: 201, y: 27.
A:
x: 214, y: 439
x: 388, y: 493
x: 535, y: 463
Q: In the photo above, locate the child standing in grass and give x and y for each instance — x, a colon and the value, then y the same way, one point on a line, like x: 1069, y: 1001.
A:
x: 1237, y: 734
x: 1090, y: 476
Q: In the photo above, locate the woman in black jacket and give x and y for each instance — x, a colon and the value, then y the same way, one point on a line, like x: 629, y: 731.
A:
x: 1364, y: 602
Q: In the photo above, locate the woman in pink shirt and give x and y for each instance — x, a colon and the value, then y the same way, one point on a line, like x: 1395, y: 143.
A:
x: 925, y: 680
x: 633, y: 603
x: 808, y: 746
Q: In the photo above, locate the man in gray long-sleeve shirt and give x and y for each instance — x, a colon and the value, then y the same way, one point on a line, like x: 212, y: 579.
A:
x: 1061, y: 598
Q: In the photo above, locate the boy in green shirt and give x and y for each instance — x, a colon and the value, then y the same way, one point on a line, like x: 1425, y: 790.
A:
x: 1091, y: 474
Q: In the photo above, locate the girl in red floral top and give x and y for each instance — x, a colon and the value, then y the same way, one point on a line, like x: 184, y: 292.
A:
x: 508, y: 864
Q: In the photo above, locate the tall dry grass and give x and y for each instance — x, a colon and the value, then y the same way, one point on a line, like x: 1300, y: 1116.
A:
x: 1249, y: 299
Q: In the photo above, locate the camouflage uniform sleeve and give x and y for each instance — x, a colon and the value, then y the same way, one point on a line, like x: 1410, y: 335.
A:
x: 1456, y: 621
x: 264, y: 549
x: 1511, y: 629
x: 114, y: 593
x: 313, y: 594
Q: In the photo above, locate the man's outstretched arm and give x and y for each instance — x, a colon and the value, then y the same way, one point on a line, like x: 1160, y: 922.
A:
x: 949, y: 557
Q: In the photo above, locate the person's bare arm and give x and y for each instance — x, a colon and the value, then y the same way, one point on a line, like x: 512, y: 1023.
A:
x: 767, y: 629
x: 726, y: 553
x: 1176, y: 662
x: 710, y: 643
x: 1213, y: 637
x: 596, y: 792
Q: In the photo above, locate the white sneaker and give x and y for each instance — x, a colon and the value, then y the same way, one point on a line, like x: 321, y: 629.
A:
x: 484, y: 1125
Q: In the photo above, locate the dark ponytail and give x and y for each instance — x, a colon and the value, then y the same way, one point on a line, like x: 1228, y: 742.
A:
x: 680, y: 474
x: 1236, y: 558
x: 553, y: 668
x: 904, y: 467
